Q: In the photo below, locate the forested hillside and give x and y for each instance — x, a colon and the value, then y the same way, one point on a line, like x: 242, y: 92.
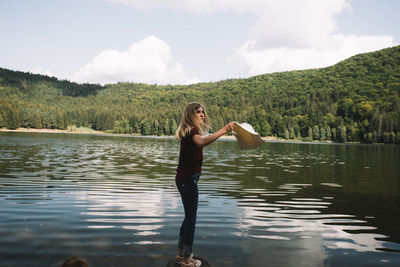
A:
x: 354, y: 100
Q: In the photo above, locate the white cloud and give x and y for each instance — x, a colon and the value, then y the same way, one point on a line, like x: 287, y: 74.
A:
x: 286, y: 34
x: 298, y: 24
x: 283, y: 23
x: 294, y: 35
x: 255, y: 61
x: 148, y: 61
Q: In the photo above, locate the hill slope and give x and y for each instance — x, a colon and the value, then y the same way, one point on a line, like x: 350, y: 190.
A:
x: 354, y: 100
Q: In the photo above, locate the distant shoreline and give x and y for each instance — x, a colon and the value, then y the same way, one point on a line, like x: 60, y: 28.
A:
x: 33, y: 130
x: 90, y: 131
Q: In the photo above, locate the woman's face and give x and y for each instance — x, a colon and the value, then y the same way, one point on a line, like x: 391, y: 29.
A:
x: 200, y: 113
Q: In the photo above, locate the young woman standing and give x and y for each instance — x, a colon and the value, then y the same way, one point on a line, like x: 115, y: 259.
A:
x: 193, y: 135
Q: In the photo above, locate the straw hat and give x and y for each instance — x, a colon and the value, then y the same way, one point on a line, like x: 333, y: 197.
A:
x: 246, y: 136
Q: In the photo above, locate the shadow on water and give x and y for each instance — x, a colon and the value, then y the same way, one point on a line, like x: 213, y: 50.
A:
x: 113, y: 200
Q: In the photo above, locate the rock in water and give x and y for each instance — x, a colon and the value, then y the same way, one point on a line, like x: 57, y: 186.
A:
x: 204, y: 263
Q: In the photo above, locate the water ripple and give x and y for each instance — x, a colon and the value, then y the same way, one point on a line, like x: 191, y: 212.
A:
x: 113, y: 200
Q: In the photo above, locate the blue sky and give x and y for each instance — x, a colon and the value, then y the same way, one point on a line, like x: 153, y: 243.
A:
x: 188, y: 41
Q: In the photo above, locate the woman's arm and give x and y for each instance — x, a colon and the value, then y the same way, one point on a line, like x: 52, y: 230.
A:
x: 206, y: 140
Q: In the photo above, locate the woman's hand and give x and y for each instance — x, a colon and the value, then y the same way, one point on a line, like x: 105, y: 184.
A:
x: 229, y: 127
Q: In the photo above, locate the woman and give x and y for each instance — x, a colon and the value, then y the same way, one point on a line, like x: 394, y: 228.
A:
x: 192, y: 133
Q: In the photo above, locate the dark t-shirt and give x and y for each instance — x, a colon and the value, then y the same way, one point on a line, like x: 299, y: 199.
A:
x: 190, y: 157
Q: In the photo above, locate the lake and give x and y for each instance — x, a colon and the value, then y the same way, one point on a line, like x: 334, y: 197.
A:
x: 113, y: 201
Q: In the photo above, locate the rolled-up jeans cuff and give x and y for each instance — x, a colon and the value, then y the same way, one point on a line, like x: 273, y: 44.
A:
x: 187, y: 250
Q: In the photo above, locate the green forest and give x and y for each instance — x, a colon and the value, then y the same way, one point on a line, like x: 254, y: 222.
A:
x: 356, y: 100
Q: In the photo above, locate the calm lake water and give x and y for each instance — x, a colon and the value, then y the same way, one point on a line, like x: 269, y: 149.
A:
x: 113, y: 201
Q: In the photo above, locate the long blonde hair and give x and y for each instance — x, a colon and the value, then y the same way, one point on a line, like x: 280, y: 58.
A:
x: 190, y: 119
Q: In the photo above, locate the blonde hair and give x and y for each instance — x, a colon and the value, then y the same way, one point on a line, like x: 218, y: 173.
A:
x: 190, y: 119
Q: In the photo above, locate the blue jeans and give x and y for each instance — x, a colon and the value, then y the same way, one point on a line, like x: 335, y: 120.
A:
x: 190, y: 199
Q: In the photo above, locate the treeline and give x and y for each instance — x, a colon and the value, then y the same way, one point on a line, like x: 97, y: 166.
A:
x: 356, y: 100
x: 26, y: 81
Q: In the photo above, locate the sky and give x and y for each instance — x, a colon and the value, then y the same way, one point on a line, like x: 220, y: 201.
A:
x: 188, y: 41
